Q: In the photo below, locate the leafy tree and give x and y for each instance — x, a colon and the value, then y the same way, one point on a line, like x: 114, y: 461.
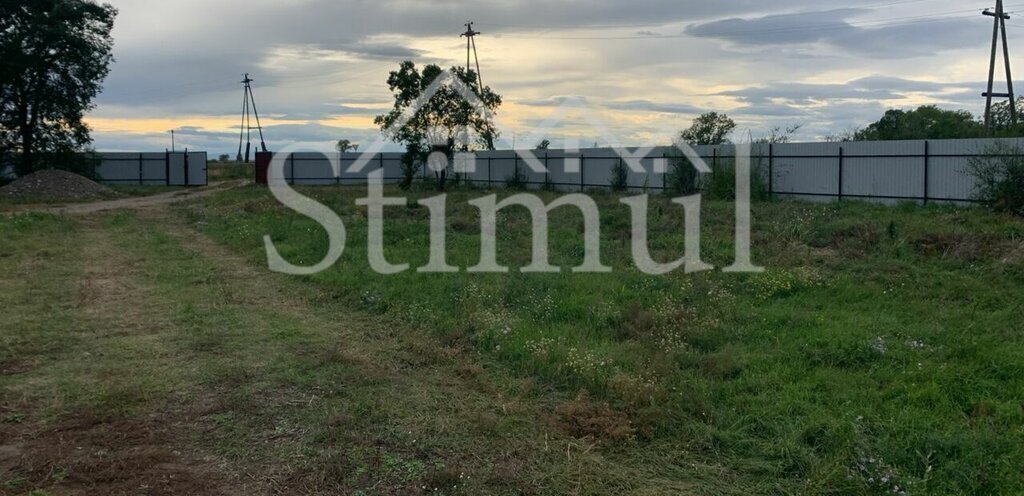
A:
x: 544, y: 144
x: 711, y: 128
x: 55, y: 55
x: 1002, y: 122
x: 345, y: 145
x: 224, y: 157
x: 925, y: 122
x: 444, y: 122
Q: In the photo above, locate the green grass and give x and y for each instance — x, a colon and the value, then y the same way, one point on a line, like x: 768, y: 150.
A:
x: 880, y: 352
x: 135, y: 354
x: 223, y: 171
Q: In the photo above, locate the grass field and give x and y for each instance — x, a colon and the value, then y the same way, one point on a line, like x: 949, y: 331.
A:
x: 881, y: 349
x: 880, y: 353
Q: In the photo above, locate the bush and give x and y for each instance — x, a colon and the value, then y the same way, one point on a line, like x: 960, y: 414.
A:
x: 721, y: 185
x: 619, y: 181
x: 999, y: 174
x: 518, y: 179
x: 410, y: 166
x: 682, y: 178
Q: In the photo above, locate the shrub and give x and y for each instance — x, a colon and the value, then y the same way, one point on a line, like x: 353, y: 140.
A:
x: 518, y: 179
x: 410, y: 166
x: 721, y: 185
x: 682, y: 178
x: 999, y: 176
x: 619, y: 181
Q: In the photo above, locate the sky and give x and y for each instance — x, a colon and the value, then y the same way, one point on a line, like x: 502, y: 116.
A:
x: 643, y: 68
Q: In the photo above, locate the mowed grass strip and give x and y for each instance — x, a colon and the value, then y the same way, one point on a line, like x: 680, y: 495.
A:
x: 880, y: 352
x: 141, y: 355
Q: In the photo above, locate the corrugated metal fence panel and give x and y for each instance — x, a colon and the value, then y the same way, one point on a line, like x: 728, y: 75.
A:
x: 121, y: 168
x: 806, y: 168
x: 888, y: 171
x: 152, y: 169
x: 948, y: 176
x: 197, y: 169
x: 892, y: 169
x: 176, y: 169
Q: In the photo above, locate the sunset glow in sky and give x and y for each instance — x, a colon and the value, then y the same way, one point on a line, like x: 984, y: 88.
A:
x: 646, y: 68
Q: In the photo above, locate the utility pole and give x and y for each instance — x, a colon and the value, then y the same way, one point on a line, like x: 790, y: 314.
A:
x: 245, y: 130
x: 999, y: 27
x: 470, y: 36
x: 172, y: 141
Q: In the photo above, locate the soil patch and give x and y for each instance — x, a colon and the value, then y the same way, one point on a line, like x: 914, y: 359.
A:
x: 55, y: 185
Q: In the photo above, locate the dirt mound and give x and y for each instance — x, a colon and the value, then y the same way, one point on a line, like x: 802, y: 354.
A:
x: 55, y: 185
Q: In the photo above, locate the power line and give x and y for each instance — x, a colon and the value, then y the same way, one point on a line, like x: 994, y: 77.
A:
x: 876, y: 23
x: 645, y: 24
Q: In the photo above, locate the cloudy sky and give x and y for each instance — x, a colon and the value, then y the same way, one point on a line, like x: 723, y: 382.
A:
x: 644, y: 68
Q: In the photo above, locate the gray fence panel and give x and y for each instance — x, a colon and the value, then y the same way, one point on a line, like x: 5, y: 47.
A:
x: 935, y: 170
x: 197, y: 169
x: 152, y: 169
x: 176, y: 168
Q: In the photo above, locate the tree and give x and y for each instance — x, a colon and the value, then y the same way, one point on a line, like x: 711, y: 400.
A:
x: 444, y: 122
x: 345, y: 145
x: 925, y: 122
x: 1003, y: 125
x: 544, y: 144
x: 778, y: 134
x: 55, y: 54
x: 711, y: 128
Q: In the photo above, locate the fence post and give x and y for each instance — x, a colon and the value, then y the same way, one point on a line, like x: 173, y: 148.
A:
x: 547, y: 170
x: 140, y: 169
x: 927, y: 164
x: 167, y: 167
x: 337, y: 177
x: 840, y: 173
x: 383, y: 176
x: 489, y: 180
x: 186, y: 168
x: 583, y: 168
x: 664, y: 175
x: 515, y: 168
x: 771, y: 170
x: 292, y: 158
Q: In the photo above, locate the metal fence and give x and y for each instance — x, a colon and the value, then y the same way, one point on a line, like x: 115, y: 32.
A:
x: 153, y: 169
x: 889, y: 171
x: 145, y: 169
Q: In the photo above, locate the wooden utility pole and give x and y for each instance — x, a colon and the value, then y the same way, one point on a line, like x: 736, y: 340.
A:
x: 245, y: 130
x: 470, y: 36
x: 999, y: 28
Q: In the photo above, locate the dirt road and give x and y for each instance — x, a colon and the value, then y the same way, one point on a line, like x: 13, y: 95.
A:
x: 161, y: 199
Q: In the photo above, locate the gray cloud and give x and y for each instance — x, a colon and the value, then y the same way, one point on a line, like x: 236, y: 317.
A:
x: 872, y: 88
x: 832, y: 27
x: 665, y: 108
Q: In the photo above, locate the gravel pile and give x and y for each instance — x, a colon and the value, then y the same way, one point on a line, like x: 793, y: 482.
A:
x: 55, y: 185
